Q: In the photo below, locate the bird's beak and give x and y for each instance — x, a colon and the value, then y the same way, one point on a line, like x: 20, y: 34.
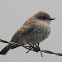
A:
x: 52, y: 18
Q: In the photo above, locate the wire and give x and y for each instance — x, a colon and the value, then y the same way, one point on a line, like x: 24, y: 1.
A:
x: 31, y: 48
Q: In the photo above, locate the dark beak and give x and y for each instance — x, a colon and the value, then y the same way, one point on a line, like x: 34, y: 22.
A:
x: 52, y: 19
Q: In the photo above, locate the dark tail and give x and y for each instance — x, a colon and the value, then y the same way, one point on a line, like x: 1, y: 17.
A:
x: 8, y: 47
x: 5, y: 50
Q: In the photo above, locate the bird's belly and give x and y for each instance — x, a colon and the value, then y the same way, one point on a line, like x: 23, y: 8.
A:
x: 38, y: 34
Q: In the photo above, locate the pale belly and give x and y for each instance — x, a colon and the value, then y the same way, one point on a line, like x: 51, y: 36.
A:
x: 39, y: 34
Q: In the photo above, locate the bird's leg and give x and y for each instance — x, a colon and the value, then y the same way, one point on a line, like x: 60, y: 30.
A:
x: 38, y: 44
x: 36, y: 48
x: 30, y: 47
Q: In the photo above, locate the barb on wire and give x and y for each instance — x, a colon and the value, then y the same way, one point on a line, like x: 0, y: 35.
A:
x: 31, y: 48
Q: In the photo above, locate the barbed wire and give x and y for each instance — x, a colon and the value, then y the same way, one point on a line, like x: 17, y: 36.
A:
x: 32, y: 48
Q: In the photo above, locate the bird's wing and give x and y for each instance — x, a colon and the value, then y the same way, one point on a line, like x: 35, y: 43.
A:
x: 24, y: 30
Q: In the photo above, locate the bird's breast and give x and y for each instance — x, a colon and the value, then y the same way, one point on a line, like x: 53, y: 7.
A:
x: 40, y: 33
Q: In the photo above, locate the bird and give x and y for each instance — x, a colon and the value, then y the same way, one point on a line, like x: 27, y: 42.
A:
x: 35, y: 30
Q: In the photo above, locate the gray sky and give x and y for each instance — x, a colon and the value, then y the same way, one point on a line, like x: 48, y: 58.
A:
x: 13, y: 13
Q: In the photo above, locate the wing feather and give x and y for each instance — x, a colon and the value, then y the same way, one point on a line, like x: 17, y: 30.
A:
x: 23, y: 31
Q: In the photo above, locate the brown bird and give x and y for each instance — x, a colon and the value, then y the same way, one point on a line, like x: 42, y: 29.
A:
x: 34, y: 30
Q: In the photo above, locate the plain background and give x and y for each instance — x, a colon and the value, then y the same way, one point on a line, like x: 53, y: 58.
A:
x: 13, y: 13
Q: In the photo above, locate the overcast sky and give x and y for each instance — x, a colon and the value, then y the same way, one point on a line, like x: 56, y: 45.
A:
x: 13, y: 13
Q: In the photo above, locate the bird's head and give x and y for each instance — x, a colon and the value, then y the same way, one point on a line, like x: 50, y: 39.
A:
x: 43, y: 16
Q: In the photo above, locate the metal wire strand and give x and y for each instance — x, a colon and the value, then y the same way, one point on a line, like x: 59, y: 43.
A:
x: 31, y: 48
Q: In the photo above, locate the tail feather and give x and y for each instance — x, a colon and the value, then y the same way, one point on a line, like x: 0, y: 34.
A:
x: 5, y: 50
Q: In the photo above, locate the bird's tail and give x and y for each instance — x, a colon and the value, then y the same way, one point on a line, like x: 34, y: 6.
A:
x: 5, y: 50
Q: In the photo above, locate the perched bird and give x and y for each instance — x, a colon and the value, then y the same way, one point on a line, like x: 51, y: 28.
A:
x: 33, y: 31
